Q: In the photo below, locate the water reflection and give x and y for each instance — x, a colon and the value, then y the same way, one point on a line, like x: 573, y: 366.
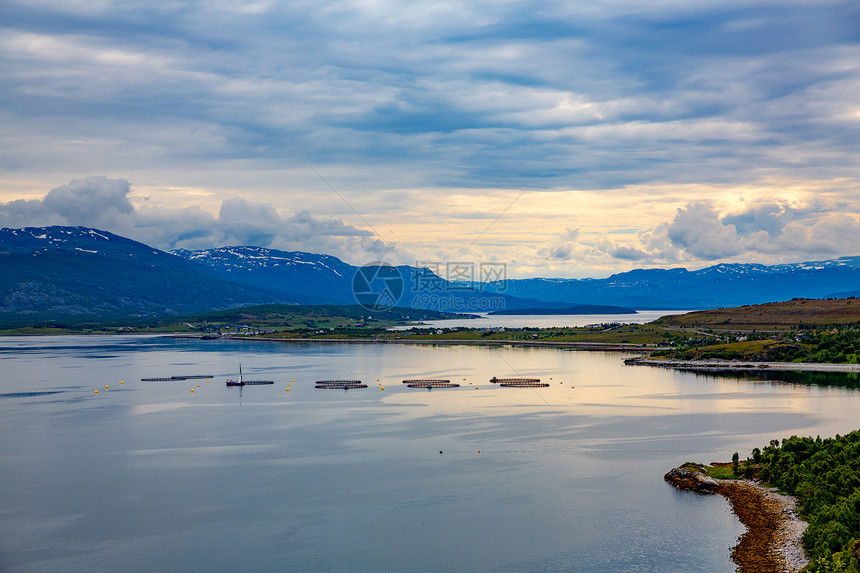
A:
x: 798, y: 377
x: 149, y: 476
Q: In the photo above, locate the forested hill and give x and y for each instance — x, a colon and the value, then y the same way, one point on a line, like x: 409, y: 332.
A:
x: 824, y: 474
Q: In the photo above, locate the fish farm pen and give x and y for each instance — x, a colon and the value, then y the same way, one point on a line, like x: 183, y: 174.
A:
x: 174, y: 378
x: 524, y: 384
x: 257, y: 382
x: 430, y: 383
x: 339, y: 384
x: 503, y: 381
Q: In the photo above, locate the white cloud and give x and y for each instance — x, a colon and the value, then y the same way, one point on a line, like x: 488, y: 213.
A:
x: 767, y: 231
x: 697, y: 230
x: 104, y: 204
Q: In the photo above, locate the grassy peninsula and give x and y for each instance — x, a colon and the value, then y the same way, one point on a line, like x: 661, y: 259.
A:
x: 824, y: 476
x: 802, y: 330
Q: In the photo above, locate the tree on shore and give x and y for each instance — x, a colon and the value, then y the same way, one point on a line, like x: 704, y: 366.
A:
x: 824, y: 475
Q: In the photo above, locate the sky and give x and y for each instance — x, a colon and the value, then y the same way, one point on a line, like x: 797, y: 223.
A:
x: 563, y: 139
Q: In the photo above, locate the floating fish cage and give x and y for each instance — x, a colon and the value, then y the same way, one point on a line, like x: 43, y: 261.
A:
x: 514, y: 381
x: 339, y: 384
x: 426, y: 381
x: 524, y: 384
x: 430, y: 383
x: 257, y: 382
x: 174, y: 378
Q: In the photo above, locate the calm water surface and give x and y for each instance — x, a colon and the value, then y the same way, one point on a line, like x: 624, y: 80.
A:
x: 149, y: 476
x: 543, y: 321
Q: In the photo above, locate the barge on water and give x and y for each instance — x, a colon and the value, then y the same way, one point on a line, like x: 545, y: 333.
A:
x: 242, y: 382
x: 519, y: 382
x: 430, y: 383
x: 177, y: 378
x: 339, y: 384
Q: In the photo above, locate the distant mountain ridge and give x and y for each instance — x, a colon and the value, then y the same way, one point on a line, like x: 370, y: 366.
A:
x: 720, y: 285
x: 324, y: 279
x: 725, y: 284
x: 315, y: 279
x: 78, y: 271
x: 53, y: 272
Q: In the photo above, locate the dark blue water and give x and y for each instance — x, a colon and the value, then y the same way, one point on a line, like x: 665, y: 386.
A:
x: 148, y: 476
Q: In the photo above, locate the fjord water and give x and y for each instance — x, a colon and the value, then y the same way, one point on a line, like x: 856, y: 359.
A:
x: 486, y: 320
x: 148, y: 476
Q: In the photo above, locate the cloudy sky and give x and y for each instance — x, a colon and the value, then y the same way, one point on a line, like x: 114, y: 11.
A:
x: 563, y: 138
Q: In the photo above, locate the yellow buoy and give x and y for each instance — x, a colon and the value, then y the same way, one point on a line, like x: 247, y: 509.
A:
x: 207, y: 381
x: 377, y: 379
x: 288, y: 389
x: 192, y: 389
x: 293, y: 380
x: 106, y: 387
x: 97, y: 391
x: 382, y: 387
x: 121, y: 382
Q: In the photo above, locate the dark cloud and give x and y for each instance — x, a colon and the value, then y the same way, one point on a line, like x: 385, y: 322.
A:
x: 448, y: 99
x: 474, y: 95
x: 562, y: 252
x: 628, y: 254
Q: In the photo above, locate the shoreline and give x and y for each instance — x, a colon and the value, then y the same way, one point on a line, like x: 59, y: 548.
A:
x: 599, y: 346
x: 714, y: 364
x: 773, y: 538
x: 772, y: 541
x: 696, y: 365
x: 606, y: 346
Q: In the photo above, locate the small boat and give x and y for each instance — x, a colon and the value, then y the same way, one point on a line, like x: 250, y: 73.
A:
x: 242, y: 382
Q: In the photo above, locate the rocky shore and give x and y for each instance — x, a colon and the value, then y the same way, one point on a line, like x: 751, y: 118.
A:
x: 772, y: 542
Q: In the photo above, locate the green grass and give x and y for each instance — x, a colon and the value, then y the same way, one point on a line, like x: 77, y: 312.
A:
x: 786, y: 316
x: 718, y: 472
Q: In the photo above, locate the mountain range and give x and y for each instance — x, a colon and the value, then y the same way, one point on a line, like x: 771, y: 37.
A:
x: 722, y: 285
x: 323, y: 279
x: 56, y: 272
x: 78, y: 271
